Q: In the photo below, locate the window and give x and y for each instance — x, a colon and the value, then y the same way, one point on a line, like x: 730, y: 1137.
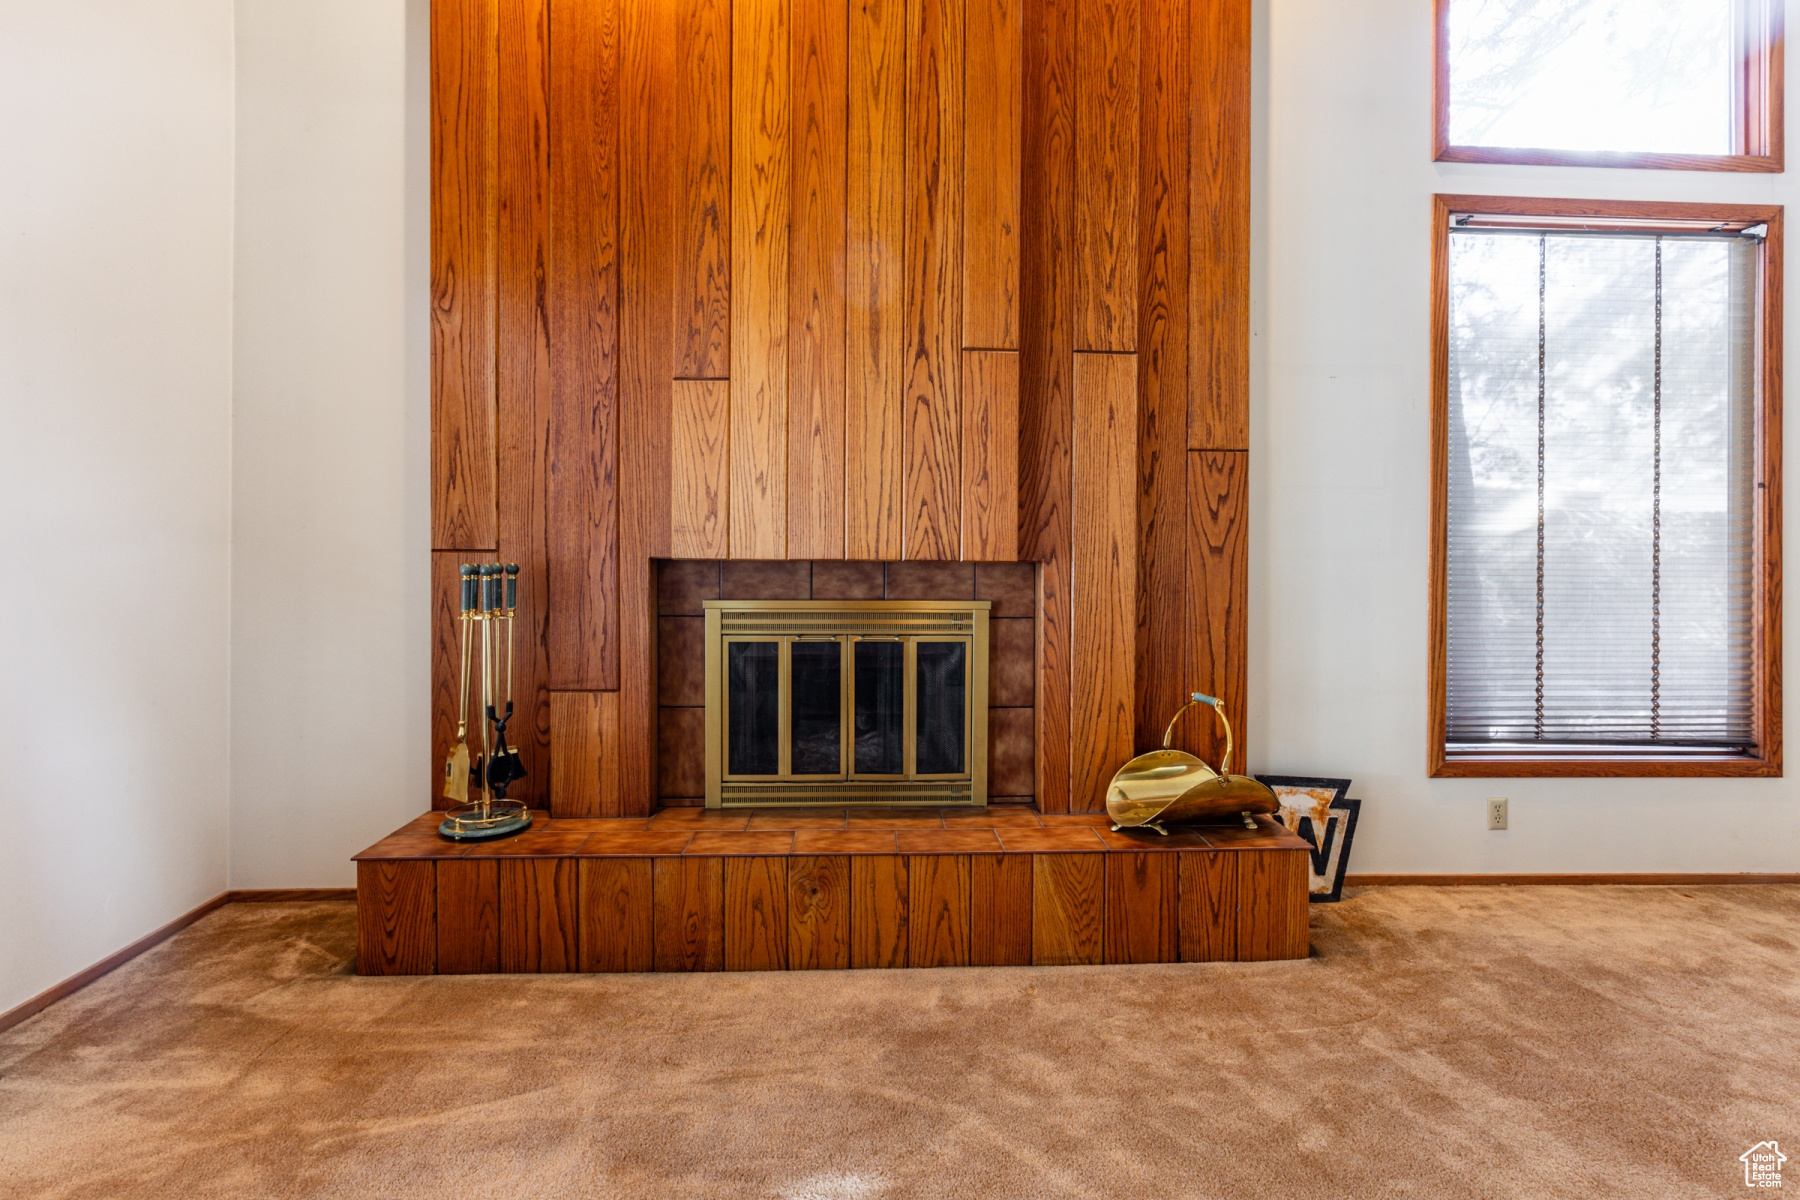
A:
x: 1691, y: 84
x: 1606, y: 479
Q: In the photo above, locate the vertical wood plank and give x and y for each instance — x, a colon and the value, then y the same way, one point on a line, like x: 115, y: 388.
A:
x: 937, y: 910
x: 538, y: 924
x: 1104, y: 472
x: 934, y: 209
x: 1106, y: 174
x: 878, y: 921
x: 760, y: 168
x: 1218, y: 564
x: 523, y: 391
x: 994, y: 37
x: 1271, y: 908
x: 1068, y: 909
x: 700, y: 469
x: 1208, y: 907
x: 1000, y: 910
x: 446, y: 666
x: 584, y: 754
x: 990, y: 471
x: 1141, y: 900
x: 816, y: 328
x: 818, y: 908
x: 396, y: 917
x: 647, y: 196
x: 468, y: 916
x: 702, y: 166
x: 1046, y: 364
x: 1219, y: 232
x: 582, y: 505
x: 1293, y: 925
x: 874, y: 266
x: 1055, y: 699
x: 1258, y: 905
x: 688, y: 913
x: 615, y: 916
x: 464, y: 108
x: 756, y: 919
x: 1162, y: 684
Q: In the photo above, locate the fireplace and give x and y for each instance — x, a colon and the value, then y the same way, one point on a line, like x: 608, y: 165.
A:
x: 846, y: 702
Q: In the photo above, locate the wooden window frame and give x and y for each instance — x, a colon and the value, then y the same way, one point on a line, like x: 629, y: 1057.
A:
x: 1759, y: 134
x: 1640, y: 216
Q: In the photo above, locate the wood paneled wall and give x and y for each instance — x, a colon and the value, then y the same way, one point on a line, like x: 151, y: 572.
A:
x: 1135, y: 218
x: 865, y: 279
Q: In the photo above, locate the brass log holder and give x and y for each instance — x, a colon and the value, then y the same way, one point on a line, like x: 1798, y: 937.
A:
x: 1175, y: 787
x: 490, y: 598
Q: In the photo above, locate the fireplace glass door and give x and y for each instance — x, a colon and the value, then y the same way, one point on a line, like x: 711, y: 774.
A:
x: 841, y: 708
x: 880, y: 666
x: 816, y: 705
x: 835, y: 708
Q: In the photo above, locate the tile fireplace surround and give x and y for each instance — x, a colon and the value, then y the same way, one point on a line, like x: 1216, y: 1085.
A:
x: 683, y: 586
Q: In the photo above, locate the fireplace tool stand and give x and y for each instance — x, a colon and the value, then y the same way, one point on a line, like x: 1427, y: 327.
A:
x: 490, y: 598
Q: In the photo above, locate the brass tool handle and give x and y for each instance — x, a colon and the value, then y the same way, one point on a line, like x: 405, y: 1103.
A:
x: 485, y: 713
x: 512, y: 607
x: 487, y: 573
x: 467, y: 573
x: 1218, y: 707
x: 471, y: 573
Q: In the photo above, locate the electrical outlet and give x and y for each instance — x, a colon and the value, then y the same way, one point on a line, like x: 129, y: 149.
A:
x: 1496, y: 812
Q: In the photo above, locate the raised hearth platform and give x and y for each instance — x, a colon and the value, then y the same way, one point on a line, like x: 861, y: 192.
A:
x: 695, y: 890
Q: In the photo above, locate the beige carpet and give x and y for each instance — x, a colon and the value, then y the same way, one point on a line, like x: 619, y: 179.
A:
x: 1485, y: 1042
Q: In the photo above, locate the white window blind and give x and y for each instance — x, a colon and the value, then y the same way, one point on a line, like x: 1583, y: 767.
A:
x: 1601, y: 422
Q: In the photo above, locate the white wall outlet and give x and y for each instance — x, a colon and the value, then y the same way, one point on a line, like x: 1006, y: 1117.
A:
x: 1496, y: 812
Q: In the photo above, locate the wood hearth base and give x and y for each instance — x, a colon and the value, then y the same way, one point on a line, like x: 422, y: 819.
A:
x: 692, y: 890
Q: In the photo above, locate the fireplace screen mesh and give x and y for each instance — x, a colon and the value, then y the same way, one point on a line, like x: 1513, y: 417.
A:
x: 846, y: 702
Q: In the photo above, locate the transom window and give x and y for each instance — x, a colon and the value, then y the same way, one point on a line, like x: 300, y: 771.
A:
x: 1646, y: 83
x: 1605, y: 515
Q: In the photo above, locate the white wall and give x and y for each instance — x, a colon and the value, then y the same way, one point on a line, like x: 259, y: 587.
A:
x: 115, y: 410
x: 1340, y: 437
x: 330, y: 504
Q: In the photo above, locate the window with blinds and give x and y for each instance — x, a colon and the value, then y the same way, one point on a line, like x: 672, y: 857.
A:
x: 1601, y: 492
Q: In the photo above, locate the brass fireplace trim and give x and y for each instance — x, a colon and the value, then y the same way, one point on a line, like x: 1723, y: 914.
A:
x: 847, y: 622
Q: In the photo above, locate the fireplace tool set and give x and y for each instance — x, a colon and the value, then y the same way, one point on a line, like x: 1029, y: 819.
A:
x: 490, y: 597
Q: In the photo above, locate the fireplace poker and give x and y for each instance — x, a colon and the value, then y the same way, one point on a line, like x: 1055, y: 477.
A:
x: 506, y: 766
x: 456, y: 767
x: 488, y: 605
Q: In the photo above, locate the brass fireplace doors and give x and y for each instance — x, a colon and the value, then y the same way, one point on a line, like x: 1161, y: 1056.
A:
x: 845, y: 702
